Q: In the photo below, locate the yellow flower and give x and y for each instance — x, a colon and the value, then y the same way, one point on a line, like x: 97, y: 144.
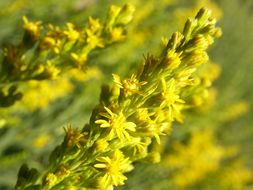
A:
x: 153, y: 124
x: 39, y: 94
x: 41, y: 141
x: 169, y: 93
x: 195, y: 160
x: 79, y: 75
x: 50, y: 71
x: 184, y: 77
x: 236, y: 176
x: 173, y: 59
x: 50, y: 179
x: 142, y: 115
x: 94, y: 24
x: 74, y: 137
x: 117, y: 34
x: 117, y: 125
x: 33, y: 28
x: 94, y: 40
x: 139, y: 146
x: 71, y: 33
x: 80, y: 60
x: 51, y: 43
x: 234, y: 111
x: 101, y: 145
x: 130, y: 86
x: 113, y: 169
x: 171, y: 100
x: 55, y: 32
x: 155, y: 130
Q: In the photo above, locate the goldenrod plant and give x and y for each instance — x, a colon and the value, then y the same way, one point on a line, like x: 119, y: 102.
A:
x: 198, y: 138
x: 131, y: 113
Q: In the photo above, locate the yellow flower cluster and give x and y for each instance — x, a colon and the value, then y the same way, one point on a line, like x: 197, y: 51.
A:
x: 235, y: 176
x: 201, y: 162
x: 39, y: 94
x: 45, y: 52
x: 183, y: 13
x: 191, y: 162
x: 131, y: 113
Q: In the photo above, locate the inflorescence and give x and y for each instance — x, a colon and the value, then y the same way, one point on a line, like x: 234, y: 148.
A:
x: 130, y: 115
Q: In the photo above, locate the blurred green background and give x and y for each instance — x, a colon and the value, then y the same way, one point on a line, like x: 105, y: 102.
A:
x: 32, y: 131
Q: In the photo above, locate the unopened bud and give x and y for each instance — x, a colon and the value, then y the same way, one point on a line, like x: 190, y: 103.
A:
x: 195, y: 58
x: 175, y: 40
x: 198, y: 42
x: 203, y: 15
x: 126, y: 14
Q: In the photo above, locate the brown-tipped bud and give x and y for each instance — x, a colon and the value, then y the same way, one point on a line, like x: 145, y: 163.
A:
x: 188, y: 27
x: 62, y: 171
x: 208, y: 29
x: 74, y: 137
x: 195, y: 58
x: 203, y: 15
x: 198, y: 42
x: 175, y: 40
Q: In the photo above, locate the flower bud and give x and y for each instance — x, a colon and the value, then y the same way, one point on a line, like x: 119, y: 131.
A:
x: 195, y: 58
x: 203, y: 15
x: 126, y: 14
x: 198, y: 42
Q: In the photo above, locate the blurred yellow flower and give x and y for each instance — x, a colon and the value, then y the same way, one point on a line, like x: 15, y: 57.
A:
x: 33, y: 28
x: 93, y: 40
x: 71, y: 33
x: 194, y: 160
x: 117, y: 125
x: 41, y: 141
